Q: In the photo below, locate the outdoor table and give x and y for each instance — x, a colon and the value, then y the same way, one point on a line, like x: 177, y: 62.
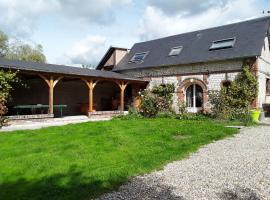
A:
x: 39, y: 106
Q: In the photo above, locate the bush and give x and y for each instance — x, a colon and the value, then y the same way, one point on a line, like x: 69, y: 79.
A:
x: 3, y: 111
x: 6, y: 81
x: 148, y: 107
x: 233, y: 102
x: 157, y: 100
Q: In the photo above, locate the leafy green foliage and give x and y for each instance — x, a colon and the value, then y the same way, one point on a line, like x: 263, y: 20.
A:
x: 182, y: 111
x: 159, y: 99
x: 7, y: 78
x: 233, y: 102
x: 26, y: 52
x: 17, y: 50
x: 148, y: 107
x: 6, y: 81
x: 3, y: 44
x: 81, y: 161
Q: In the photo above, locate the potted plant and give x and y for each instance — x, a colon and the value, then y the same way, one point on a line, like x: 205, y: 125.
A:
x: 255, y: 114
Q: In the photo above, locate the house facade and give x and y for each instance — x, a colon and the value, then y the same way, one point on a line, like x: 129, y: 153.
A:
x: 203, y: 61
x: 196, y: 63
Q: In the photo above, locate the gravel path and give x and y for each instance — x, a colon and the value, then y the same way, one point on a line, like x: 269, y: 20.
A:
x: 236, y: 168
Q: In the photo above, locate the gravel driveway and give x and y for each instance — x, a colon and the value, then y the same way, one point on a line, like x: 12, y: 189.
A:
x: 236, y: 168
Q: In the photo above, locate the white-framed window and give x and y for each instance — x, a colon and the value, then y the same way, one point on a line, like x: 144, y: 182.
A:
x: 175, y: 51
x: 138, y: 57
x: 222, y: 44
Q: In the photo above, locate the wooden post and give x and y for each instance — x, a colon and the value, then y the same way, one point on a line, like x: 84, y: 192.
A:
x: 122, y: 86
x: 51, y: 84
x: 91, y: 85
x: 51, y: 95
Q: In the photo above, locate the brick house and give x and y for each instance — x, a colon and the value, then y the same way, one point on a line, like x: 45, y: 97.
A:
x: 200, y: 61
x: 196, y: 62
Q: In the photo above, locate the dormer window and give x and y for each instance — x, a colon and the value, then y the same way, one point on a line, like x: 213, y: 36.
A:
x: 175, y: 51
x: 138, y: 57
x: 222, y: 44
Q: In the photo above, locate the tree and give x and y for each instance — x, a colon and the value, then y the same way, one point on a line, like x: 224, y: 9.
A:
x: 17, y: 50
x: 3, y: 44
x: 25, y: 52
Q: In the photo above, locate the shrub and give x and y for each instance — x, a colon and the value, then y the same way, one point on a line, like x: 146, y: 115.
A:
x: 234, y: 101
x: 6, y: 81
x: 157, y: 100
x: 3, y: 111
x: 148, y: 107
x: 182, y: 111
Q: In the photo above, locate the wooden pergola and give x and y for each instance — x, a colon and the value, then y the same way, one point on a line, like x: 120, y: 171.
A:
x: 51, y: 81
x: 52, y: 74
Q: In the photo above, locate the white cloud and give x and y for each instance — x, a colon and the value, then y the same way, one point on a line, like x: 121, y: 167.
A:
x: 87, y: 51
x: 156, y: 23
x: 184, y: 7
x: 90, y: 10
x: 20, y: 17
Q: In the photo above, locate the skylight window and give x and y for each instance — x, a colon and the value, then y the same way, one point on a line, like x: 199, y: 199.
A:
x: 138, y: 57
x: 175, y: 51
x: 223, y: 44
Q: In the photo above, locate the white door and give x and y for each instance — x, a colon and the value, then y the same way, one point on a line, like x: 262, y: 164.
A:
x: 194, y: 98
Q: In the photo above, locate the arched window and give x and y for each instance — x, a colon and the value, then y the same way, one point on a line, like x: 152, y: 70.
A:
x: 194, y: 97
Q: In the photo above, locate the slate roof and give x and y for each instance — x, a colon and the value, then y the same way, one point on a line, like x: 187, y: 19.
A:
x: 249, y: 42
x: 62, y: 69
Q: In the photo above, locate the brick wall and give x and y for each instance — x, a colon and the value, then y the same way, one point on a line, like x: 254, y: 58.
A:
x: 211, y: 67
x: 211, y: 74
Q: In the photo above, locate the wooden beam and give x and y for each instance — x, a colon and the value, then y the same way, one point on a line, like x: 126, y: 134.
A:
x: 51, y: 84
x: 122, y: 85
x: 51, y: 95
x: 57, y: 80
x: 91, y: 85
x: 45, y: 79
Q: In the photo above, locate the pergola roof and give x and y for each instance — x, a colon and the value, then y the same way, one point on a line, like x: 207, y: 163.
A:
x: 63, y: 70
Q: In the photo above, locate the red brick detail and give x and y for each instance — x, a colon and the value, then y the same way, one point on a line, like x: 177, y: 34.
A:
x: 186, y: 83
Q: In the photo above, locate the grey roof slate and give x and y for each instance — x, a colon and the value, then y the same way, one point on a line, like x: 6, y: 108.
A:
x: 62, y: 69
x: 249, y: 42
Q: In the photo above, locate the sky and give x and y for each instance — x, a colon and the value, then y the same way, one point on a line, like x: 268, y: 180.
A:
x: 75, y: 32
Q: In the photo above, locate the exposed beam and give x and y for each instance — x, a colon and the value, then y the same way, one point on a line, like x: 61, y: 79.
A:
x: 91, y: 85
x: 57, y: 80
x: 51, y: 84
x: 122, y: 85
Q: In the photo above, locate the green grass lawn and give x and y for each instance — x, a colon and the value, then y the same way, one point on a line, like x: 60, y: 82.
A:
x: 85, y: 160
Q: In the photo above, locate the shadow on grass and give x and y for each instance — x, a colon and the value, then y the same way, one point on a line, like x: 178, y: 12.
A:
x: 73, y: 185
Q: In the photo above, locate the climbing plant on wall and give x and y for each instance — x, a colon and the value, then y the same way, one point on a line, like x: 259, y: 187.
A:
x: 234, y: 101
